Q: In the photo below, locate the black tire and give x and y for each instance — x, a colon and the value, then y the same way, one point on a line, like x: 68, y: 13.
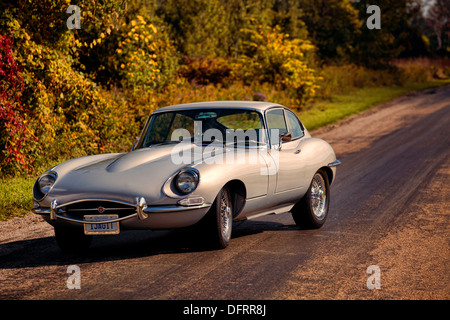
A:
x: 311, y: 211
x: 219, y: 220
x: 72, y: 240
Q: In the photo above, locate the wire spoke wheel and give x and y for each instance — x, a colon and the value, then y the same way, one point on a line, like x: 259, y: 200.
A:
x: 225, y: 216
x: 318, y: 196
x: 218, y: 223
x: 311, y: 211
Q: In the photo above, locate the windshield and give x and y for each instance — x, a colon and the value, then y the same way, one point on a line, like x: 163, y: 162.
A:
x: 204, y: 126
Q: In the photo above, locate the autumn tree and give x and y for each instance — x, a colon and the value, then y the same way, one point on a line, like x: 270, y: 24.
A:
x: 333, y: 26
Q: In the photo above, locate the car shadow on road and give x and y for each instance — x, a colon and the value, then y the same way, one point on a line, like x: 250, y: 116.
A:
x: 127, y: 245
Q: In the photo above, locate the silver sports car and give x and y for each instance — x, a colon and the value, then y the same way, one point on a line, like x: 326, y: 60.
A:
x: 206, y: 164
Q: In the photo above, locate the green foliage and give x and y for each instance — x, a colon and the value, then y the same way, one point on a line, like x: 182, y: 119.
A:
x: 334, y: 27
x: 396, y: 38
x: 199, y: 27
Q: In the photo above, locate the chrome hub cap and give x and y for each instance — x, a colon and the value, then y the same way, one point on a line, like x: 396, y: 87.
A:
x: 225, y: 217
x: 318, y: 197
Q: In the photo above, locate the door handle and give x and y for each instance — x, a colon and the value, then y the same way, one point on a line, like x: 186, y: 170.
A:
x: 297, y: 151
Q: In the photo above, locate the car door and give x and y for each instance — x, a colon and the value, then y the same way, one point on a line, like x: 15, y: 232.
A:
x: 290, y: 174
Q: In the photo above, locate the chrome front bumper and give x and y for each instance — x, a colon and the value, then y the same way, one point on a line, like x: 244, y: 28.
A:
x: 56, y: 211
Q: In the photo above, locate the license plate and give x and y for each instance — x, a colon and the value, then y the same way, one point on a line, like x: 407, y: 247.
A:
x: 102, y: 227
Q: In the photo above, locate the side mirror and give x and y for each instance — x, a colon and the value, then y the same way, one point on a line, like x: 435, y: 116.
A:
x: 284, y: 137
x: 135, y: 143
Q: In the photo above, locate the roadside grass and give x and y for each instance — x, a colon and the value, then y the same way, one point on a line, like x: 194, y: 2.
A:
x: 16, y: 192
x: 16, y: 196
x: 341, y: 106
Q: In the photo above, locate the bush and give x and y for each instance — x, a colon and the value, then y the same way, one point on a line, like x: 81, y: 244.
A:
x: 271, y: 57
x: 422, y: 69
x: 58, y: 112
x: 206, y: 70
x: 144, y: 59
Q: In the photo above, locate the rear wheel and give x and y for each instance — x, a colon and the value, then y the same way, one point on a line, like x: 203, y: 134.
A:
x: 219, y: 220
x: 312, y: 210
x: 72, y: 240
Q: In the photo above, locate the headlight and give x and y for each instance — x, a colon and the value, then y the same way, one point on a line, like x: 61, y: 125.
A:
x: 44, y: 184
x: 186, y: 180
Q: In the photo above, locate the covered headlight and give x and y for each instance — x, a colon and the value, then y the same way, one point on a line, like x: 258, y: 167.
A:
x: 44, y: 184
x: 186, y: 180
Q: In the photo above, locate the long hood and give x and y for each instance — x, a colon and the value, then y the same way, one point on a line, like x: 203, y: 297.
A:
x: 122, y: 176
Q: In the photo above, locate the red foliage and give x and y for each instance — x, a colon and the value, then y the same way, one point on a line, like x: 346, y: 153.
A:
x: 11, y: 88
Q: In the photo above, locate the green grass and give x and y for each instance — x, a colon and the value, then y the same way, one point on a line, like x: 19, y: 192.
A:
x: 16, y: 193
x: 342, y: 106
x: 16, y: 198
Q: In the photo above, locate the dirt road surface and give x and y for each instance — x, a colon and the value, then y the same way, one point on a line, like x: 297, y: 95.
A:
x: 389, y: 208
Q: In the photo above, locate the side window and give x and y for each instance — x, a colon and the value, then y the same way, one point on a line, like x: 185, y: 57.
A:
x: 294, y: 125
x: 181, y: 121
x: 276, y: 124
x: 159, y: 128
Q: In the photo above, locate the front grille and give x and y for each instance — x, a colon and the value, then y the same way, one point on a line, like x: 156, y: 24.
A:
x: 78, y: 210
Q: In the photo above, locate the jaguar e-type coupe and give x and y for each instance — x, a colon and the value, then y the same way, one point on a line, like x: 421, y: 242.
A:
x: 205, y: 164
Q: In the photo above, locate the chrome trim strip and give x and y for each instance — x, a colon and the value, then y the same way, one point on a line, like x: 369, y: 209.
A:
x: 96, y: 209
x: 334, y: 163
x: 175, y: 208
x: 95, y: 222
x: 96, y: 199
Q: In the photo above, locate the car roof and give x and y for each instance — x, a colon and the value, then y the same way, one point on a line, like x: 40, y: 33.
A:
x: 253, y: 105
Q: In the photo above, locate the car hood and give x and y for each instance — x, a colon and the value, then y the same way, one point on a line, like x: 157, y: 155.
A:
x: 124, y: 176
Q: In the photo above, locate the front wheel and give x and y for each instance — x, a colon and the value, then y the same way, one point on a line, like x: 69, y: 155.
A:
x: 219, y: 220
x: 312, y: 210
